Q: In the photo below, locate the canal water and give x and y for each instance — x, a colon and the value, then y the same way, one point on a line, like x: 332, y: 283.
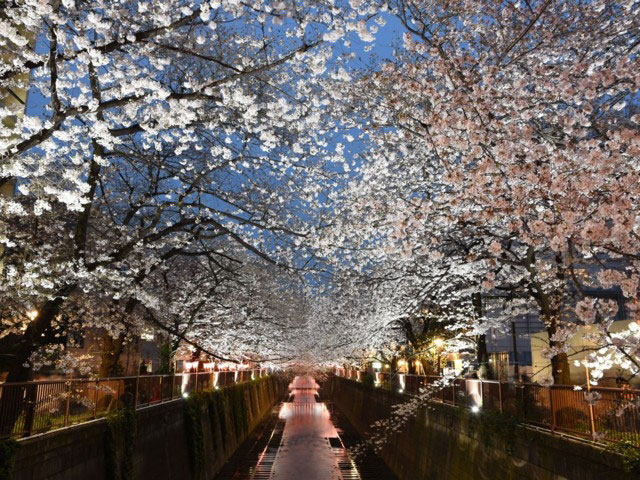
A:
x: 303, y: 439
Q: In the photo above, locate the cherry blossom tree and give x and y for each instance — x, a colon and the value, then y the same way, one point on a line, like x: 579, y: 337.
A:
x: 180, y: 161
x: 504, y: 140
x: 159, y: 130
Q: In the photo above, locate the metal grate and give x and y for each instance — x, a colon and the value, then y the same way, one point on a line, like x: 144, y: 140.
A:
x: 346, y: 466
x: 366, y: 467
x: 255, y: 457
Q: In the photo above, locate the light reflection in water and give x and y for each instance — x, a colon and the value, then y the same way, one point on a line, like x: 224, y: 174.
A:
x: 305, y: 452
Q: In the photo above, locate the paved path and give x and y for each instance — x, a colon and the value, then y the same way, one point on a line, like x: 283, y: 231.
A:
x: 305, y: 452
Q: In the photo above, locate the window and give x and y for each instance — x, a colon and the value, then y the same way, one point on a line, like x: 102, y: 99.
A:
x: 524, y: 358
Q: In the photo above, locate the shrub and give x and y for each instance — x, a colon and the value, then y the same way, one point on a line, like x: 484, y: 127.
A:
x: 630, y: 455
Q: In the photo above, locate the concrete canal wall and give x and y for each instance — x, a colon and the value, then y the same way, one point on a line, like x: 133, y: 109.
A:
x: 182, y: 439
x: 445, y: 442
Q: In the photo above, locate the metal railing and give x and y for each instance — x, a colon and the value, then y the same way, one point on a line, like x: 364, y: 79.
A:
x: 34, y: 407
x: 598, y: 413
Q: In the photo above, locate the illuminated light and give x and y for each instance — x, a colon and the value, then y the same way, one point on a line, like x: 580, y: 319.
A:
x: 475, y: 409
x: 376, y: 365
x: 185, y: 383
x: 402, y: 363
x: 190, y: 365
x: 401, y: 390
x: 185, y: 395
x: 147, y: 336
x: 438, y: 342
x: 32, y: 314
x: 386, y: 366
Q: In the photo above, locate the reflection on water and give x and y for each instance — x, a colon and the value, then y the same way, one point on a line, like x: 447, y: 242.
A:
x: 306, y: 452
x: 289, y: 410
x: 302, y: 443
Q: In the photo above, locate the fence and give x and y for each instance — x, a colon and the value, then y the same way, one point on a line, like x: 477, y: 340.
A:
x: 598, y: 413
x: 35, y: 407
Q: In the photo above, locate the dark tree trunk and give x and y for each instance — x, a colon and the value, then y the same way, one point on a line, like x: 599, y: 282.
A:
x: 482, y: 354
x: 427, y: 367
x: 38, y: 333
x: 482, y: 357
x: 411, y: 367
x: 560, y: 368
x: 394, y: 365
x: 112, y: 349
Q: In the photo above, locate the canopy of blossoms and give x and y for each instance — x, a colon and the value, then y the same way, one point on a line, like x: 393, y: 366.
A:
x: 305, y: 180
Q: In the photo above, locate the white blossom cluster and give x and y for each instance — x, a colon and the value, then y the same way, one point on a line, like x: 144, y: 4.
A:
x: 227, y: 172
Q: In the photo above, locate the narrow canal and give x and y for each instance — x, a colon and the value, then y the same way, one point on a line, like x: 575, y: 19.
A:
x: 303, y: 439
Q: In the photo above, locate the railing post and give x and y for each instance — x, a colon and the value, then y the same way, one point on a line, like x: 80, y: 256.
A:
x: 553, y: 410
x: 66, y: 404
x: 95, y: 400
x: 197, y: 368
x: 500, y: 389
x: 453, y: 391
x: 32, y: 395
x: 592, y: 423
x: 135, y: 395
x: 173, y: 383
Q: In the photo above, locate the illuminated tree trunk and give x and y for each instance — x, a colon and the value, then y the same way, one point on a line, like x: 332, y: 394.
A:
x: 482, y: 354
x: 560, y: 368
x: 112, y: 349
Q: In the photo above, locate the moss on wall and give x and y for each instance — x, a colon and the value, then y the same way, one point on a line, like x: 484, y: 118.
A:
x: 229, y: 414
x: 630, y: 456
x: 8, y: 451
x: 195, y: 442
x: 120, y: 437
x: 443, y: 441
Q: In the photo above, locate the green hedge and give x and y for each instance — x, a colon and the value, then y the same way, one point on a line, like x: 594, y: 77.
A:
x: 119, y: 444
x: 8, y: 451
x: 230, y: 412
x: 630, y: 456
